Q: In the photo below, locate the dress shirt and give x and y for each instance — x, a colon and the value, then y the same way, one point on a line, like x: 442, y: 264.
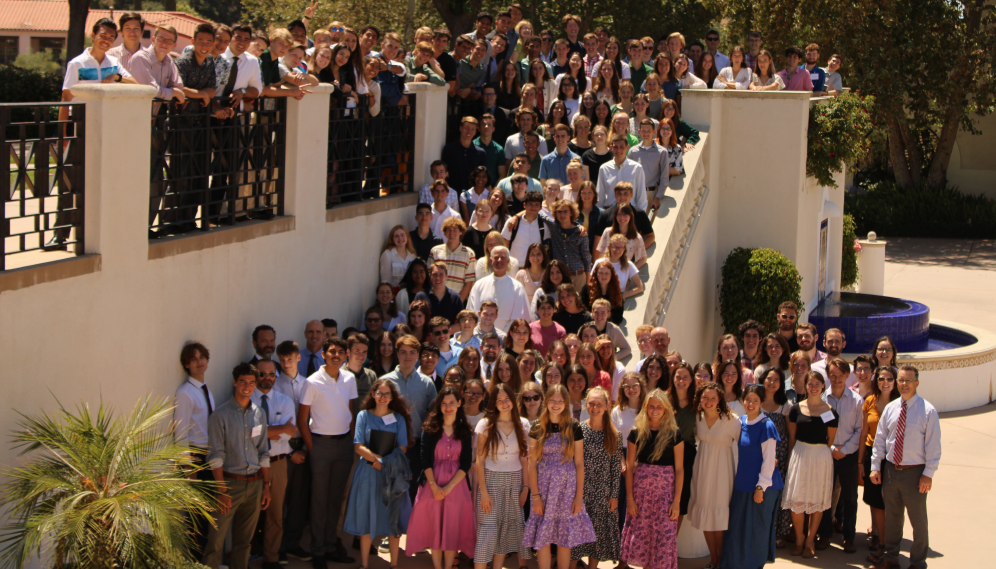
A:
x: 505, y: 291
x: 849, y: 415
x: 249, y: 74
x: 720, y: 60
x: 418, y: 390
x: 568, y: 245
x: 329, y: 400
x: 514, y: 145
x: 799, y: 81
x: 820, y: 367
x: 191, y: 413
x: 302, y: 366
x: 425, y: 196
x: 479, y: 334
x: 833, y: 82
x: 163, y: 75
x: 281, y: 411
x: 234, y: 445
x: 438, y: 217
x: 195, y: 75
x: 473, y: 342
x: 768, y: 448
x: 85, y: 69
x: 590, y: 61
x: 554, y: 165
x: 654, y: 160
x: 393, y: 266
x: 292, y: 387
x: 751, y: 61
x: 527, y: 233
x: 121, y: 53
x: 444, y: 362
x: 609, y: 175
x: 817, y: 75
x: 921, y: 439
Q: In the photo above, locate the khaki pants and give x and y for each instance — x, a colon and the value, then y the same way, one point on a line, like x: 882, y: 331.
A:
x: 242, y: 517
x: 273, y: 532
x: 579, y: 280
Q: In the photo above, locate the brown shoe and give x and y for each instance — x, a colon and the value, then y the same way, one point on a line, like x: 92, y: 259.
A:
x: 822, y: 543
x: 849, y: 547
x: 809, y: 553
x: 797, y: 550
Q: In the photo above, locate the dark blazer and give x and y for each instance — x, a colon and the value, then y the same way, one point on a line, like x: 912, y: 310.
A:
x: 428, y: 453
x: 255, y: 359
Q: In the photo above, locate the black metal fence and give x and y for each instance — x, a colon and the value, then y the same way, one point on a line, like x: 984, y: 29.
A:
x: 370, y: 156
x: 209, y: 171
x: 42, y: 177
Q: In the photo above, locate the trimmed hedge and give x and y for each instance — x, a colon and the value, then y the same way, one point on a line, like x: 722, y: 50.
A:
x: 19, y: 85
x: 755, y: 282
x: 879, y: 205
x: 848, y: 257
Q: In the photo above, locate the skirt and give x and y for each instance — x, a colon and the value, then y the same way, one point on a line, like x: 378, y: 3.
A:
x: 749, y: 542
x: 809, y: 487
x: 873, y: 492
x: 366, y: 513
x: 446, y: 524
x: 557, y: 525
x: 650, y: 539
x: 500, y: 532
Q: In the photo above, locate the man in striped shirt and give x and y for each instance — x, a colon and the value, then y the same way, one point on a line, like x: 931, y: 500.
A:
x: 460, y: 261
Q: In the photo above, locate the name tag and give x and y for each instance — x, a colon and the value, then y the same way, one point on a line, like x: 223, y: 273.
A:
x: 257, y: 430
x: 814, y: 76
x: 389, y: 419
x: 827, y: 417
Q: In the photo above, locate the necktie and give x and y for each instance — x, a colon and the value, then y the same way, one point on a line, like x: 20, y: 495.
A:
x: 897, y: 450
x: 311, y: 365
x: 487, y: 372
x: 265, y: 406
x: 207, y: 397
x: 232, y: 75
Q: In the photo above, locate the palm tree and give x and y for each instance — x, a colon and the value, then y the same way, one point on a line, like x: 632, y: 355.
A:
x: 99, y: 492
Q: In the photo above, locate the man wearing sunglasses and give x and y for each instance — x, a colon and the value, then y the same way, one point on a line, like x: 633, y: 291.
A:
x: 279, y: 410
x: 712, y: 46
x: 787, y: 315
x: 448, y: 354
x: 546, y: 47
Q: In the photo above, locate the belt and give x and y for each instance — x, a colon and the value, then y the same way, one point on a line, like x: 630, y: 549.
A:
x: 342, y: 436
x: 578, y: 272
x: 906, y: 466
x: 243, y: 478
x: 278, y: 458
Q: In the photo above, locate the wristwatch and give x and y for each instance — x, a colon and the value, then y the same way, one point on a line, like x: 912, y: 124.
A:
x: 759, y: 488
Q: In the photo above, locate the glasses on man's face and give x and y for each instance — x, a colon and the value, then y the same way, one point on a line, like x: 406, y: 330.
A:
x: 267, y: 374
x: 547, y: 40
x: 375, y: 319
x: 712, y: 39
x: 787, y: 316
x: 439, y: 333
x: 165, y: 41
x: 905, y: 381
x: 531, y: 398
x: 337, y: 30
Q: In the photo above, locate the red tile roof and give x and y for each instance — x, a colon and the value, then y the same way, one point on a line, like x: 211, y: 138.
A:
x: 53, y: 16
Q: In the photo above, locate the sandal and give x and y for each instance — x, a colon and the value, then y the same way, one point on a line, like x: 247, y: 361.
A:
x: 809, y: 553
x: 797, y: 550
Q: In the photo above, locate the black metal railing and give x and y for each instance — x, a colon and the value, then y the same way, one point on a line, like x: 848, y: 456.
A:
x: 370, y: 156
x: 208, y: 171
x: 42, y: 178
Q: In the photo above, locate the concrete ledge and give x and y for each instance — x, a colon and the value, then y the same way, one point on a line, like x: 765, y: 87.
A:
x: 114, y: 91
x: 17, y: 279
x: 745, y: 94
x: 370, y: 207
x: 187, y: 243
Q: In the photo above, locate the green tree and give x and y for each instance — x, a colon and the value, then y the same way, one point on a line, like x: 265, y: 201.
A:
x: 928, y: 62
x: 99, y: 492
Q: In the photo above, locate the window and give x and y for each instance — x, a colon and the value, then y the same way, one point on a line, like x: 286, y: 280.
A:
x: 8, y: 49
x: 53, y: 45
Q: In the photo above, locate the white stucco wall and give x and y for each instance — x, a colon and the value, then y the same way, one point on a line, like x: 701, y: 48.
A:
x: 117, y: 332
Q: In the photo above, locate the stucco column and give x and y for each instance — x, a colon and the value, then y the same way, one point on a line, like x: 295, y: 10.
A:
x: 118, y: 142
x: 430, y: 127
x: 871, y: 265
x: 306, y: 158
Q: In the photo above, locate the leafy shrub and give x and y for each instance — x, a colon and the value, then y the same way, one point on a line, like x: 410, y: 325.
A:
x: 755, y: 282
x: 838, y: 134
x: 848, y: 257
x: 18, y: 85
x: 879, y: 205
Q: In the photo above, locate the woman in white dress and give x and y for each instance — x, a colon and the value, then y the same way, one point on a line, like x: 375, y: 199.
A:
x: 737, y: 75
x: 717, y: 431
x: 685, y: 78
x: 397, y: 254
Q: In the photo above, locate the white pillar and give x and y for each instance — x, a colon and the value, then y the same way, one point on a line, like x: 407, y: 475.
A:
x: 430, y: 127
x: 306, y: 158
x: 118, y: 134
x: 871, y: 265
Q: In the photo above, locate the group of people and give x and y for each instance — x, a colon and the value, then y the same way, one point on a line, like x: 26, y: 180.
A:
x: 482, y: 445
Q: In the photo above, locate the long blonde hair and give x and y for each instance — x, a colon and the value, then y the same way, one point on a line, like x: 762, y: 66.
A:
x: 542, y: 427
x: 389, y: 244
x: 609, y: 432
x: 668, y: 427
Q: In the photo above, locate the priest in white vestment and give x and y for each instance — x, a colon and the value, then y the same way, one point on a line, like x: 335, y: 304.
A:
x: 507, y: 292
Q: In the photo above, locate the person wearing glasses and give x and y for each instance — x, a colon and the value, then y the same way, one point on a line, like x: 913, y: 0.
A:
x: 281, y: 428
x: 712, y: 47
x: 546, y: 47
x: 787, y: 316
x: 883, y: 392
x: 905, y: 457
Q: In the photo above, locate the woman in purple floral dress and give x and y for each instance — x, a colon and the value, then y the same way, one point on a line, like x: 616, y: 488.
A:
x: 654, y: 477
x: 556, y: 483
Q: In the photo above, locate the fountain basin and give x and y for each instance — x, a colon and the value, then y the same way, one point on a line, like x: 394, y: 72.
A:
x: 865, y: 318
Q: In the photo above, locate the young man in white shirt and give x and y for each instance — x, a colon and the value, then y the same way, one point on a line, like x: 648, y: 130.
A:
x: 653, y: 158
x: 621, y: 169
x: 712, y: 46
x: 514, y: 144
x: 441, y: 211
x: 194, y: 404
x: 325, y: 419
x: 528, y: 230
x: 491, y: 345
